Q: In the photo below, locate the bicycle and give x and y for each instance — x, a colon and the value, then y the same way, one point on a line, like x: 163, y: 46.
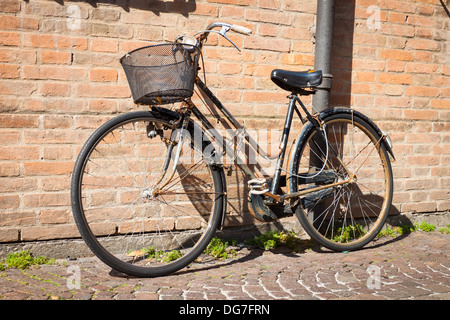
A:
x: 148, y: 189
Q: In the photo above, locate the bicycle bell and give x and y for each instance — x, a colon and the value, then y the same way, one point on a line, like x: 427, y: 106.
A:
x: 189, y: 42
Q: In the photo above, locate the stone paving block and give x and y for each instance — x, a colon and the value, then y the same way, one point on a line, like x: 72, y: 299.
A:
x: 414, y: 267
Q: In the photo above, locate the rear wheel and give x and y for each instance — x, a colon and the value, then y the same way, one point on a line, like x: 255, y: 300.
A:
x: 353, y: 161
x: 121, y: 214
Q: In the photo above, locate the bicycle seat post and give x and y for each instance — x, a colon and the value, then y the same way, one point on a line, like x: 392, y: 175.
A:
x: 284, y: 140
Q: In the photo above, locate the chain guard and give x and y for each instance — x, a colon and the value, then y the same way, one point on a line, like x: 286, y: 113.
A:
x: 267, y: 213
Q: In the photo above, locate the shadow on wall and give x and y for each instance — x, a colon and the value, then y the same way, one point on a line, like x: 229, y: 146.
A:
x: 156, y: 6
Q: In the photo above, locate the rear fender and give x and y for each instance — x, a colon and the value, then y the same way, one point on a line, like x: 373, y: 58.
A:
x: 385, y: 138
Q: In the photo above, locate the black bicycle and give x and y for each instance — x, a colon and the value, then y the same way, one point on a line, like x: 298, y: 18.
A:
x: 149, y: 190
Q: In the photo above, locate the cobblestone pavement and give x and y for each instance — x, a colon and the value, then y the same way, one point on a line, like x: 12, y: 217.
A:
x: 416, y: 266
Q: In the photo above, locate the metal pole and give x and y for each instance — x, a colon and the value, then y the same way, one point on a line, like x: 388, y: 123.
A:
x: 322, y: 54
x: 322, y: 61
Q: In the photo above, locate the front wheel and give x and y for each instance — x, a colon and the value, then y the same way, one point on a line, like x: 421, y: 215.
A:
x: 347, y: 163
x: 124, y: 218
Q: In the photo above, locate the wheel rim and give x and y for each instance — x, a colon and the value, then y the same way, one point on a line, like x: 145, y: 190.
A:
x: 131, y: 222
x: 349, y: 214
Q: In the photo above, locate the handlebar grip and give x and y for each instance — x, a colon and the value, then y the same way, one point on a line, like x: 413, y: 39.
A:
x: 241, y: 29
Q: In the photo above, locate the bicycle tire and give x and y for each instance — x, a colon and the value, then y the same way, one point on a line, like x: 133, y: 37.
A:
x: 345, y: 217
x: 89, y: 185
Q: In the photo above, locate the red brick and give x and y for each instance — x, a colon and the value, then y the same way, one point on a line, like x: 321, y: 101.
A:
x: 206, y: 9
x: 47, y: 168
x: 415, y: 67
x: 55, y: 183
x: 297, y: 59
x: 268, y: 16
x: 9, y: 234
x: 54, y: 216
x: 367, y: 64
x: 440, y: 104
x: 397, y: 17
x: 19, y: 153
x: 8, y: 202
x: 260, y: 43
x: 402, y: 6
x: 421, y: 20
x: 49, y: 232
x: 9, y: 71
x: 56, y: 57
x: 103, y: 91
x: 54, y: 41
x: 365, y: 76
x: 230, y: 68
x: 55, y: 89
x: 103, y: 106
x: 398, y: 78
x: 423, y: 160
x: 419, y: 207
x: 54, y: 73
x: 8, y: 169
x: 104, y: 45
x: 18, y: 23
x: 54, y: 136
x: 394, y: 54
x: 9, y: 38
x: 102, y: 75
x: 10, y: 6
x: 423, y: 44
x: 264, y: 97
x: 18, y: 121
x: 21, y: 218
x: 232, y: 11
x: 235, y: 2
x: 422, y: 91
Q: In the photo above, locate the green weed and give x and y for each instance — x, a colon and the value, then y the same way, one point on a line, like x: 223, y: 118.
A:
x: 425, y: 227
x: 161, y: 256
x: 445, y: 229
x: 348, y: 233
x: 272, y: 239
x: 218, y: 249
x: 405, y: 229
x: 396, y: 231
x: 23, y: 260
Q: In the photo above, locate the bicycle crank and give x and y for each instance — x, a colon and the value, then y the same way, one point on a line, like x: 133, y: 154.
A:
x: 259, y: 196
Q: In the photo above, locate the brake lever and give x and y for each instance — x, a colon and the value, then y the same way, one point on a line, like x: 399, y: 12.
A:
x: 231, y: 42
x: 223, y: 31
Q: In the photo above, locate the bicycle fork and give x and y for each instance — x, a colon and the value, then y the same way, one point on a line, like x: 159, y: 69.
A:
x: 185, y: 116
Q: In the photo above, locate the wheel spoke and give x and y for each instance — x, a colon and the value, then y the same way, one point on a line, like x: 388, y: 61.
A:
x: 132, y: 223
x: 350, y: 216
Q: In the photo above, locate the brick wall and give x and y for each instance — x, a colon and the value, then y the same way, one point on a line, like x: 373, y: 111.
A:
x: 60, y: 79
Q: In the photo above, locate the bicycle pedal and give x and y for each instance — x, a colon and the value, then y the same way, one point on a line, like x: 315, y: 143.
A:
x: 258, y: 186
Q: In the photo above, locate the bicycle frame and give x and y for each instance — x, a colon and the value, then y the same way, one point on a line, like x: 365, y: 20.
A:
x: 274, y: 196
x: 293, y: 99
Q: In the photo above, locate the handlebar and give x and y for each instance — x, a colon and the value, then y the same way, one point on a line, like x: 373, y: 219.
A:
x: 201, y: 36
x: 241, y: 29
x: 234, y: 27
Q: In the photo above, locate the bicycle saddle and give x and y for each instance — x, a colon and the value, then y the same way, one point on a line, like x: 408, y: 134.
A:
x: 295, y: 81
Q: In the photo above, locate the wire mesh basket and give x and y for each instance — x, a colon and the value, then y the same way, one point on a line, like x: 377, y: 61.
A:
x: 161, y: 74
